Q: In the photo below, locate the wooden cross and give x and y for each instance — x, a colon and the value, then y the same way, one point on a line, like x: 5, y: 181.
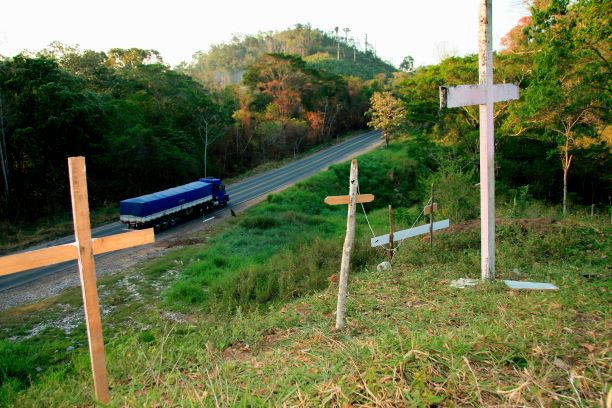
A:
x: 83, y: 250
x: 338, y: 200
x: 352, y: 199
x: 484, y: 94
x: 430, y: 208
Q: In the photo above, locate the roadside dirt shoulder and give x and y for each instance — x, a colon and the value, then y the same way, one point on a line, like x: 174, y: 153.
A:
x: 111, y: 263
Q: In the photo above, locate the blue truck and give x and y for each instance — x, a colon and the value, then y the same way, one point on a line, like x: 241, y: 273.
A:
x: 165, y: 208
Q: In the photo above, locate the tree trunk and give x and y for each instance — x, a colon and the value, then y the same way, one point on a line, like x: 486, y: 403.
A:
x: 205, y: 147
x: 565, y: 171
x: 566, y: 160
x: 4, y: 155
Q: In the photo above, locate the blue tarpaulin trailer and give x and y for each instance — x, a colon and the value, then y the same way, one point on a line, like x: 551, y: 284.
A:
x: 165, y: 208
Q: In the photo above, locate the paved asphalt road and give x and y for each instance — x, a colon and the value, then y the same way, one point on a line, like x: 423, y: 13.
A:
x: 240, y: 194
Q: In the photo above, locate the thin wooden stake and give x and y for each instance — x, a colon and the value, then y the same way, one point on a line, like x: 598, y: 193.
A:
x: 348, y: 246
x: 431, y: 217
x: 82, y: 233
x: 391, y: 243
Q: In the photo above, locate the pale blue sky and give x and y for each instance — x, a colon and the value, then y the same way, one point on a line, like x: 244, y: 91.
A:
x: 179, y: 28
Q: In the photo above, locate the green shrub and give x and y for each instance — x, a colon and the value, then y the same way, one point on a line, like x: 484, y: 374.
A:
x: 17, y: 361
x: 454, y: 191
x: 185, y: 292
x: 259, y: 222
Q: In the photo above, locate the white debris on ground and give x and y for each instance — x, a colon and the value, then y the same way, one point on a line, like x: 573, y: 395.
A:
x: 132, y: 289
x: 174, y: 316
x: 66, y: 322
x: 69, y: 320
x: 383, y: 267
x: 464, y: 282
x: 54, y: 284
x: 162, y: 284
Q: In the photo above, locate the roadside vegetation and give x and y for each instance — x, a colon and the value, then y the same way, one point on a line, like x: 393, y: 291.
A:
x: 244, y: 315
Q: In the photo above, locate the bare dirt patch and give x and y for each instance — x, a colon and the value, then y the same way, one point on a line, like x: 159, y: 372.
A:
x: 537, y: 224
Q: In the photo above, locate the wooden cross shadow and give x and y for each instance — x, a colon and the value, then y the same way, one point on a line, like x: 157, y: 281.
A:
x: 82, y: 250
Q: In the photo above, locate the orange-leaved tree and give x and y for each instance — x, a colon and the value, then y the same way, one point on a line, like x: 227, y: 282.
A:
x: 387, y: 113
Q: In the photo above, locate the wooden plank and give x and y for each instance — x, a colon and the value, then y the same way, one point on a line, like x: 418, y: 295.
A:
x: 37, y: 258
x: 409, y: 233
x: 87, y: 271
x: 518, y: 285
x: 338, y: 200
x: 123, y: 241
x: 63, y: 253
x: 427, y: 208
x: 470, y: 95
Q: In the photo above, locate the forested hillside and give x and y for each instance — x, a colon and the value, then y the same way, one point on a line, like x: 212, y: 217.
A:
x: 144, y: 126
x: 335, y: 52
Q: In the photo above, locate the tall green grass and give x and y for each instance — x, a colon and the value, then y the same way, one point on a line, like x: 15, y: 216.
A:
x: 289, y: 245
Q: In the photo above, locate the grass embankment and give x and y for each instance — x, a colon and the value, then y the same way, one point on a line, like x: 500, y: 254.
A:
x: 227, y: 331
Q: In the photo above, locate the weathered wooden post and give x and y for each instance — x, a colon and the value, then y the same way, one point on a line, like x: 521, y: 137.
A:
x: 431, y: 217
x: 87, y: 273
x: 484, y: 94
x: 348, y: 245
x: 352, y: 199
x: 82, y: 250
x: 391, y: 243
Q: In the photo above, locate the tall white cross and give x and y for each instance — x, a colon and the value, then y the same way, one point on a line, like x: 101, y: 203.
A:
x: 484, y: 94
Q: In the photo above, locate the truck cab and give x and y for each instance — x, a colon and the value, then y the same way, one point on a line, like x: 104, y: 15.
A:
x: 219, y: 194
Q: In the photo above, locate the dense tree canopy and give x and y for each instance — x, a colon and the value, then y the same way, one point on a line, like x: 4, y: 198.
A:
x: 568, y: 99
x: 559, y: 56
x: 130, y: 119
x: 144, y: 126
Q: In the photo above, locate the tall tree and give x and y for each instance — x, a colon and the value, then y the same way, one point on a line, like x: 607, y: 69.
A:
x: 407, y: 64
x: 387, y: 114
x: 4, y: 164
x: 569, y: 97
